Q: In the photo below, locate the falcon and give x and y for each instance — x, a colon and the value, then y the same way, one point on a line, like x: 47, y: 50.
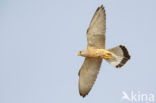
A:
x: 96, y: 52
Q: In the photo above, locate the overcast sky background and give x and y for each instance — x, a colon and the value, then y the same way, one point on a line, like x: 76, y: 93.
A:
x: 39, y: 41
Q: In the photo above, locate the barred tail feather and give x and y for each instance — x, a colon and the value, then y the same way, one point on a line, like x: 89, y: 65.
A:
x: 119, y: 57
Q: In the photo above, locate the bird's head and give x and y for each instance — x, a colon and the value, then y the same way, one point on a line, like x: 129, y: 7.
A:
x: 82, y: 53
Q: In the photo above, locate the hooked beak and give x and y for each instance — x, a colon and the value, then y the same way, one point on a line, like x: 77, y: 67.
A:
x: 79, y: 53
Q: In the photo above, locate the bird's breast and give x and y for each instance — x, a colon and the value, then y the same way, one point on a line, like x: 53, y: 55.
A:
x: 96, y: 53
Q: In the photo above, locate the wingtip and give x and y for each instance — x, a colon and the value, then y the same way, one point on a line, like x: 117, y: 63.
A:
x: 101, y: 6
x: 83, y: 95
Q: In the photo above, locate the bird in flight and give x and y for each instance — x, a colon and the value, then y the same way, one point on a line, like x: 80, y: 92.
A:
x: 95, y: 52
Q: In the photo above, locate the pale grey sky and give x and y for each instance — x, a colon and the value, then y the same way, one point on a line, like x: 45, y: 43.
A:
x: 39, y: 41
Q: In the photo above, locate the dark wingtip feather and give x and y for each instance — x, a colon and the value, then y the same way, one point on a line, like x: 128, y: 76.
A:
x: 100, y: 7
x: 126, y: 56
x: 83, y: 95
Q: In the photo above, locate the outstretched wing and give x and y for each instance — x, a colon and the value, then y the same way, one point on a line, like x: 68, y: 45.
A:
x: 96, y: 39
x: 88, y: 74
x: 97, y: 29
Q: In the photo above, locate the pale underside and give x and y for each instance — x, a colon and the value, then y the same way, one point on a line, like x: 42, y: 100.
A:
x: 96, y: 39
x: 97, y: 53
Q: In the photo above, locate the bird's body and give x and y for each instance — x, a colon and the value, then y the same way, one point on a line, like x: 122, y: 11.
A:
x: 96, y: 52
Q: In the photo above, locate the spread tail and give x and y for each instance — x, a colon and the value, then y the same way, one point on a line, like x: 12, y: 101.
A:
x: 119, y: 56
